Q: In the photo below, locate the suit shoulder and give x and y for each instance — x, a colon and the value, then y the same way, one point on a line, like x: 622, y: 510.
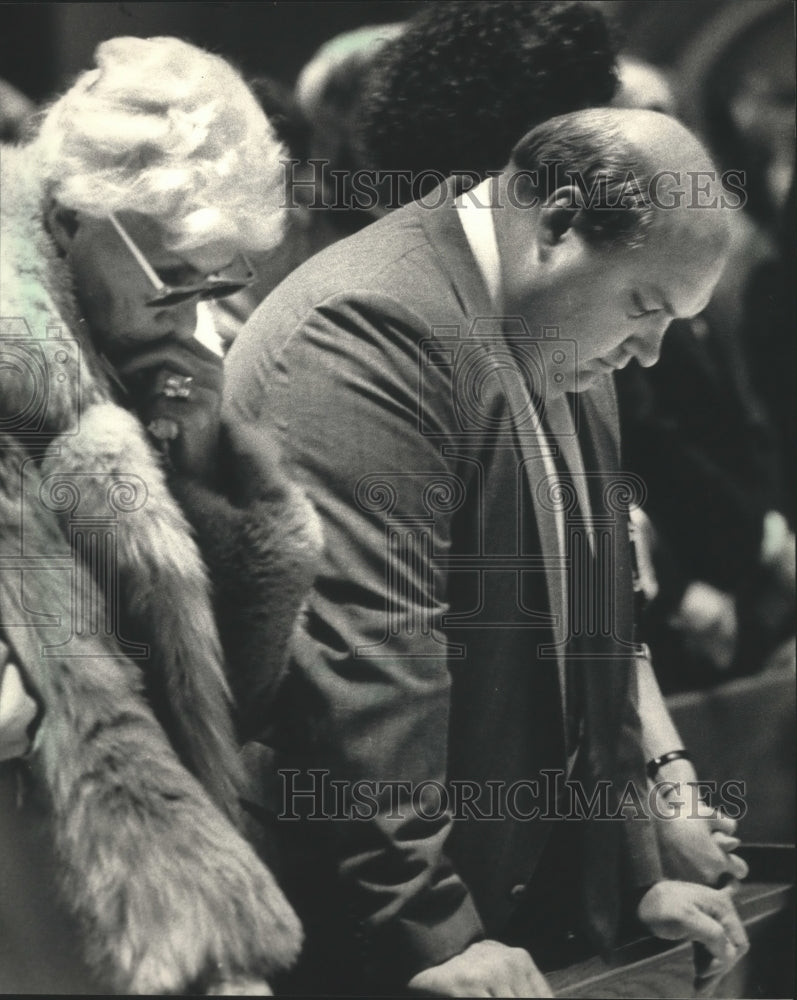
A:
x: 390, y: 259
x: 379, y: 292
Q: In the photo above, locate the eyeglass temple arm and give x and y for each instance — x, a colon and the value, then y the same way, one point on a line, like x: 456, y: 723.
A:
x: 143, y: 263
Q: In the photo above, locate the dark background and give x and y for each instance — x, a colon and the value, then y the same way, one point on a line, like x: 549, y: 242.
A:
x: 44, y: 45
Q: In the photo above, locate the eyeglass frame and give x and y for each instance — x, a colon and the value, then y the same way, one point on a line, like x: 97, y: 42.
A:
x: 213, y: 287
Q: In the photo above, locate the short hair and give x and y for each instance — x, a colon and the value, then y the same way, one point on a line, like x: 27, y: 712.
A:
x: 330, y: 83
x: 591, y: 150
x: 455, y: 91
x: 329, y: 90
x: 165, y: 129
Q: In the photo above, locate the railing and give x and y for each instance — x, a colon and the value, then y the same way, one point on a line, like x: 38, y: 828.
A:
x: 652, y: 968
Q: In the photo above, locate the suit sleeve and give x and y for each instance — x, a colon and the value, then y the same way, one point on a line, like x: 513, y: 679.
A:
x: 261, y: 559
x: 641, y: 862
x: 345, y: 391
x: 642, y: 856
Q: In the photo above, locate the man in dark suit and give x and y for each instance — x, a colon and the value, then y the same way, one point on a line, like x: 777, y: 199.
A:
x: 445, y: 682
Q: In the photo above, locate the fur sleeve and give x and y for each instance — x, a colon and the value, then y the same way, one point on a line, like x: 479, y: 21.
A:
x: 169, y: 895
x: 262, y: 560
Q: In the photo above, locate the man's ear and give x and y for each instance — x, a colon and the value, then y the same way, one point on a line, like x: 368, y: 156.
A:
x: 558, y: 215
x: 62, y: 224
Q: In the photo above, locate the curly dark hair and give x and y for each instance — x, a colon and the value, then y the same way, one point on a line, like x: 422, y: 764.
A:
x: 457, y: 89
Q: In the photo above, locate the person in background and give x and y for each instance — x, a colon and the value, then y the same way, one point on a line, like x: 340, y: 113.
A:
x: 372, y: 102
x: 317, y: 124
x: 188, y: 549
x: 455, y: 90
x: 330, y: 91
x: 696, y: 431
x: 300, y: 232
x: 643, y: 85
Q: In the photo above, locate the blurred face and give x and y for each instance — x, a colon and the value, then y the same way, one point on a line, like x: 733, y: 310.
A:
x: 113, y: 290
x: 616, y: 303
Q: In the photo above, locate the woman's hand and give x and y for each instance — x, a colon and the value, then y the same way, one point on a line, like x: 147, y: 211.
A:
x: 176, y: 388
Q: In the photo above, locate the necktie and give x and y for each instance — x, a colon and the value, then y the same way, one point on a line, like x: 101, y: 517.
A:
x: 580, y: 582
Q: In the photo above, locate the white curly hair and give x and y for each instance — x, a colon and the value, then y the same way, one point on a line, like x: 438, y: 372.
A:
x: 170, y: 131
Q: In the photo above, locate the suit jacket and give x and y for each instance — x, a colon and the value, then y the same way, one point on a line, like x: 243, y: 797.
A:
x: 428, y: 652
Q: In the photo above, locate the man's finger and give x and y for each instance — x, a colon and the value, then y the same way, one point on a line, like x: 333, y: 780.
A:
x: 709, y: 932
x: 464, y: 988
x: 721, y: 823
x: 241, y: 988
x: 734, y: 928
x: 526, y: 978
x: 725, y: 841
x: 738, y: 867
x: 726, y: 880
x: 719, y: 904
x: 539, y: 986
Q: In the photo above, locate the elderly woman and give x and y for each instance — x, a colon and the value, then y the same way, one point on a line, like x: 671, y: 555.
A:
x: 147, y: 184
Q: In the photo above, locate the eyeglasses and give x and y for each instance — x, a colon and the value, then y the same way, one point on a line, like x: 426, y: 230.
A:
x: 230, y: 280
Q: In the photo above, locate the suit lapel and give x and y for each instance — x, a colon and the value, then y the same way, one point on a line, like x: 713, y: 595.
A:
x: 607, y: 669
x: 600, y: 441
x: 445, y: 233
x: 534, y: 445
x: 605, y: 677
x: 605, y: 681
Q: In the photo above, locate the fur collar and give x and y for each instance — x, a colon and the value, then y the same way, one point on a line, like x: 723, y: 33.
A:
x: 97, y: 464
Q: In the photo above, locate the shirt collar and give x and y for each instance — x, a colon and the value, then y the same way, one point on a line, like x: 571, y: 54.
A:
x: 476, y: 217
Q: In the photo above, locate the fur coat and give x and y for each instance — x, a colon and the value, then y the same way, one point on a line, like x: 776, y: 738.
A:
x: 106, y: 604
